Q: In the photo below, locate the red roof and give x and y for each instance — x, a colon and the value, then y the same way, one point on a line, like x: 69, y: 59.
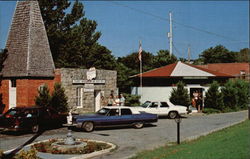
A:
x: 233, y: 69
x: 180, y: 69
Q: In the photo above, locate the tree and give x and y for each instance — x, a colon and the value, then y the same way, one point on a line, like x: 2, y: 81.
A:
x: 43, y: 99
x: 72, y: 37
x: 163, y: 58
x: 179, y: 95
x: 214, y: 98
x: 230, y: 98
x: 59, y: 100
x: 243, y: 55
x: 218, y: 54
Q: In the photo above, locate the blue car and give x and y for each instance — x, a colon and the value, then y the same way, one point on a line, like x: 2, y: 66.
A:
x: 113, y: 116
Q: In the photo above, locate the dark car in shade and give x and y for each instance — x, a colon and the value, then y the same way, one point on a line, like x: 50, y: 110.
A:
x: 30, y: 118
x: 113, y: 116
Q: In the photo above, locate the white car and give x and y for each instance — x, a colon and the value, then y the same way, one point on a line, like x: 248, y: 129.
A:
x: 163, y: 108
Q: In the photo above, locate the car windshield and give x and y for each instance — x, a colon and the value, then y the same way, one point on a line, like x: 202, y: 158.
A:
x: 146, y: 104
x: 103, y: 111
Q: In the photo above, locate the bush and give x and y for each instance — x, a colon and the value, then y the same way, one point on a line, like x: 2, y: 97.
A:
x: 242, y: 89
x: 214, y: 98
x: 30, y: 154
x: 230, y: 97
x: 210, y: 110
x: 59, y: 99
x: 131, y: 100
x: 180, y: 95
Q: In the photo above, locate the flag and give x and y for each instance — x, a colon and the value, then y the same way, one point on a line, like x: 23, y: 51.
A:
x: 140, y: 52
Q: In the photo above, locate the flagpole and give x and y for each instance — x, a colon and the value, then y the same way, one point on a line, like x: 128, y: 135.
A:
x: 140, y: 59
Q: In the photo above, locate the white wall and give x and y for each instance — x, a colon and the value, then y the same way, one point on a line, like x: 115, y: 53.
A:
x: 160, y: 93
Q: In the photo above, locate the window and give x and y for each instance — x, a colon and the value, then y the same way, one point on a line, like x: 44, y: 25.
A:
x: 13, y: 83
x: 79, y: 97
x: 154, y: 105
x: 164, y: 104
x: 114, y: 112
x: 126, y: 112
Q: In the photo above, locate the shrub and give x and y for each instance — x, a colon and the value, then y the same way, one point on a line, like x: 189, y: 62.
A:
x: 30, y: 154
x: 210, y: 110
x: 180, y: 95
x: 242, y: 89
x: 43, y: 99
x: 214, y: 98
x: 131, y: 100
x: 230, y: 97
x: 59, y: 99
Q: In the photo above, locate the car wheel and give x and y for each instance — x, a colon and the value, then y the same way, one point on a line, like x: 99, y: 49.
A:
x: 138, y: 125
x: 88, y: 126
x: 35, y: 128
x: 172, y: 115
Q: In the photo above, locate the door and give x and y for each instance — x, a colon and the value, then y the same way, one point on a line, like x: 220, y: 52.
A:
x: 12, y: 93
x: 97, y: 100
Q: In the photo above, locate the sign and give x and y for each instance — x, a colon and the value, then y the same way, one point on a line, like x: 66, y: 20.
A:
x: 88, y: 81
x: 88, y: 90
x: 91, y: 73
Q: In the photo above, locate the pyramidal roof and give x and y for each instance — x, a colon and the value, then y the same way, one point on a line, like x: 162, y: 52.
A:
x: 180, y: 69
x: 28, y: 48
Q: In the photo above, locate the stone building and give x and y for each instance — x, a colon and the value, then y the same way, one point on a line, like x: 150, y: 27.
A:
x: 88, y: 94
x: 29, y: 66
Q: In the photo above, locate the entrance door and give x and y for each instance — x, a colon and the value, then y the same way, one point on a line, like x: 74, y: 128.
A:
x: 12, y: 93
x: 97, y: 100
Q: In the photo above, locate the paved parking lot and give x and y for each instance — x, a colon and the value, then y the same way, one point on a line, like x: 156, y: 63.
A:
x: 130, y: 140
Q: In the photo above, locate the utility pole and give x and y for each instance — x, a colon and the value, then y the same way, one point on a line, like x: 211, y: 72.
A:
x: 170, y: 35
x: 189, y: 54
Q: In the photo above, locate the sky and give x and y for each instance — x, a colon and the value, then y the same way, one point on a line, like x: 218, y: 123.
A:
x: 196, y: 24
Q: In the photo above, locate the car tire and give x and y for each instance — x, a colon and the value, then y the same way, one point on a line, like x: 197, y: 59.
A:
x: 35, y: 128
x: 138, y: 125
x: 88, y: 126
x: 173, y: 115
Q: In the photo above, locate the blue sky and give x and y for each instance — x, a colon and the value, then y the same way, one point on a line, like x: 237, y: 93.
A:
x: 124, y: 23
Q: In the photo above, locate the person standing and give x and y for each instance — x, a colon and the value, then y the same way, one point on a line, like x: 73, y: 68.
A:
x: 122, y: 100
x: 110, y: 100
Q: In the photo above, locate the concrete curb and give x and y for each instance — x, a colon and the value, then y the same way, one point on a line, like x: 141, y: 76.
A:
x: 73, y: 156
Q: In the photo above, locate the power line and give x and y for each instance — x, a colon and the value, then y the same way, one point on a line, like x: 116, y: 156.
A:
x: 181, y: 24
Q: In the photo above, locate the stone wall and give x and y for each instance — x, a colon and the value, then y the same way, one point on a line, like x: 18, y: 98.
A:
x: 88, y: 97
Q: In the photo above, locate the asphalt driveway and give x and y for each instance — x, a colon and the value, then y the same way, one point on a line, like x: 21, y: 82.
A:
x: 130, y: 140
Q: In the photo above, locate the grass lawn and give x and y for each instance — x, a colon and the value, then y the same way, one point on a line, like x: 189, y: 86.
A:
x: 229, y: 143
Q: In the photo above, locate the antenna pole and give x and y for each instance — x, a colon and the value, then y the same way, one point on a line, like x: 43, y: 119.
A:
x: 170, y: 35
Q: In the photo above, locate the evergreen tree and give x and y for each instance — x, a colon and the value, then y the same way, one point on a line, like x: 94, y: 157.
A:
x: 179, y: 95
x: 43, y: 99
x: 163, y: 58
x: 214, y: 98
x: 72, y: 37
x: 59, y: 99
x: 230, y: 98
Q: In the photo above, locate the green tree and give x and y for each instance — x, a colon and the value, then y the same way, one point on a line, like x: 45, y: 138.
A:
x: 230, y: 98
x: 243, y: 55
x: 43, y: 99
x: 72, y: 37
x: 179, y: 95
x: 59, y: 99
x: 218, y: 54
x: 214, y: 98
x: 242, y: 88
x: 163, y: 58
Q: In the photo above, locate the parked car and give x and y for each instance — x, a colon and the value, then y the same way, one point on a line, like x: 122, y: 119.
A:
x: 30, y: 118
x: 163, y: 108
x: 113, y: 116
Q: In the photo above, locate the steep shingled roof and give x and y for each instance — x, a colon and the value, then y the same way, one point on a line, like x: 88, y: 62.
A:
x: 181, y: 69
x: 28, y: 48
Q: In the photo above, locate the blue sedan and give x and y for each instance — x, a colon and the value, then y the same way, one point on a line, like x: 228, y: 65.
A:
x: 113, y: 116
